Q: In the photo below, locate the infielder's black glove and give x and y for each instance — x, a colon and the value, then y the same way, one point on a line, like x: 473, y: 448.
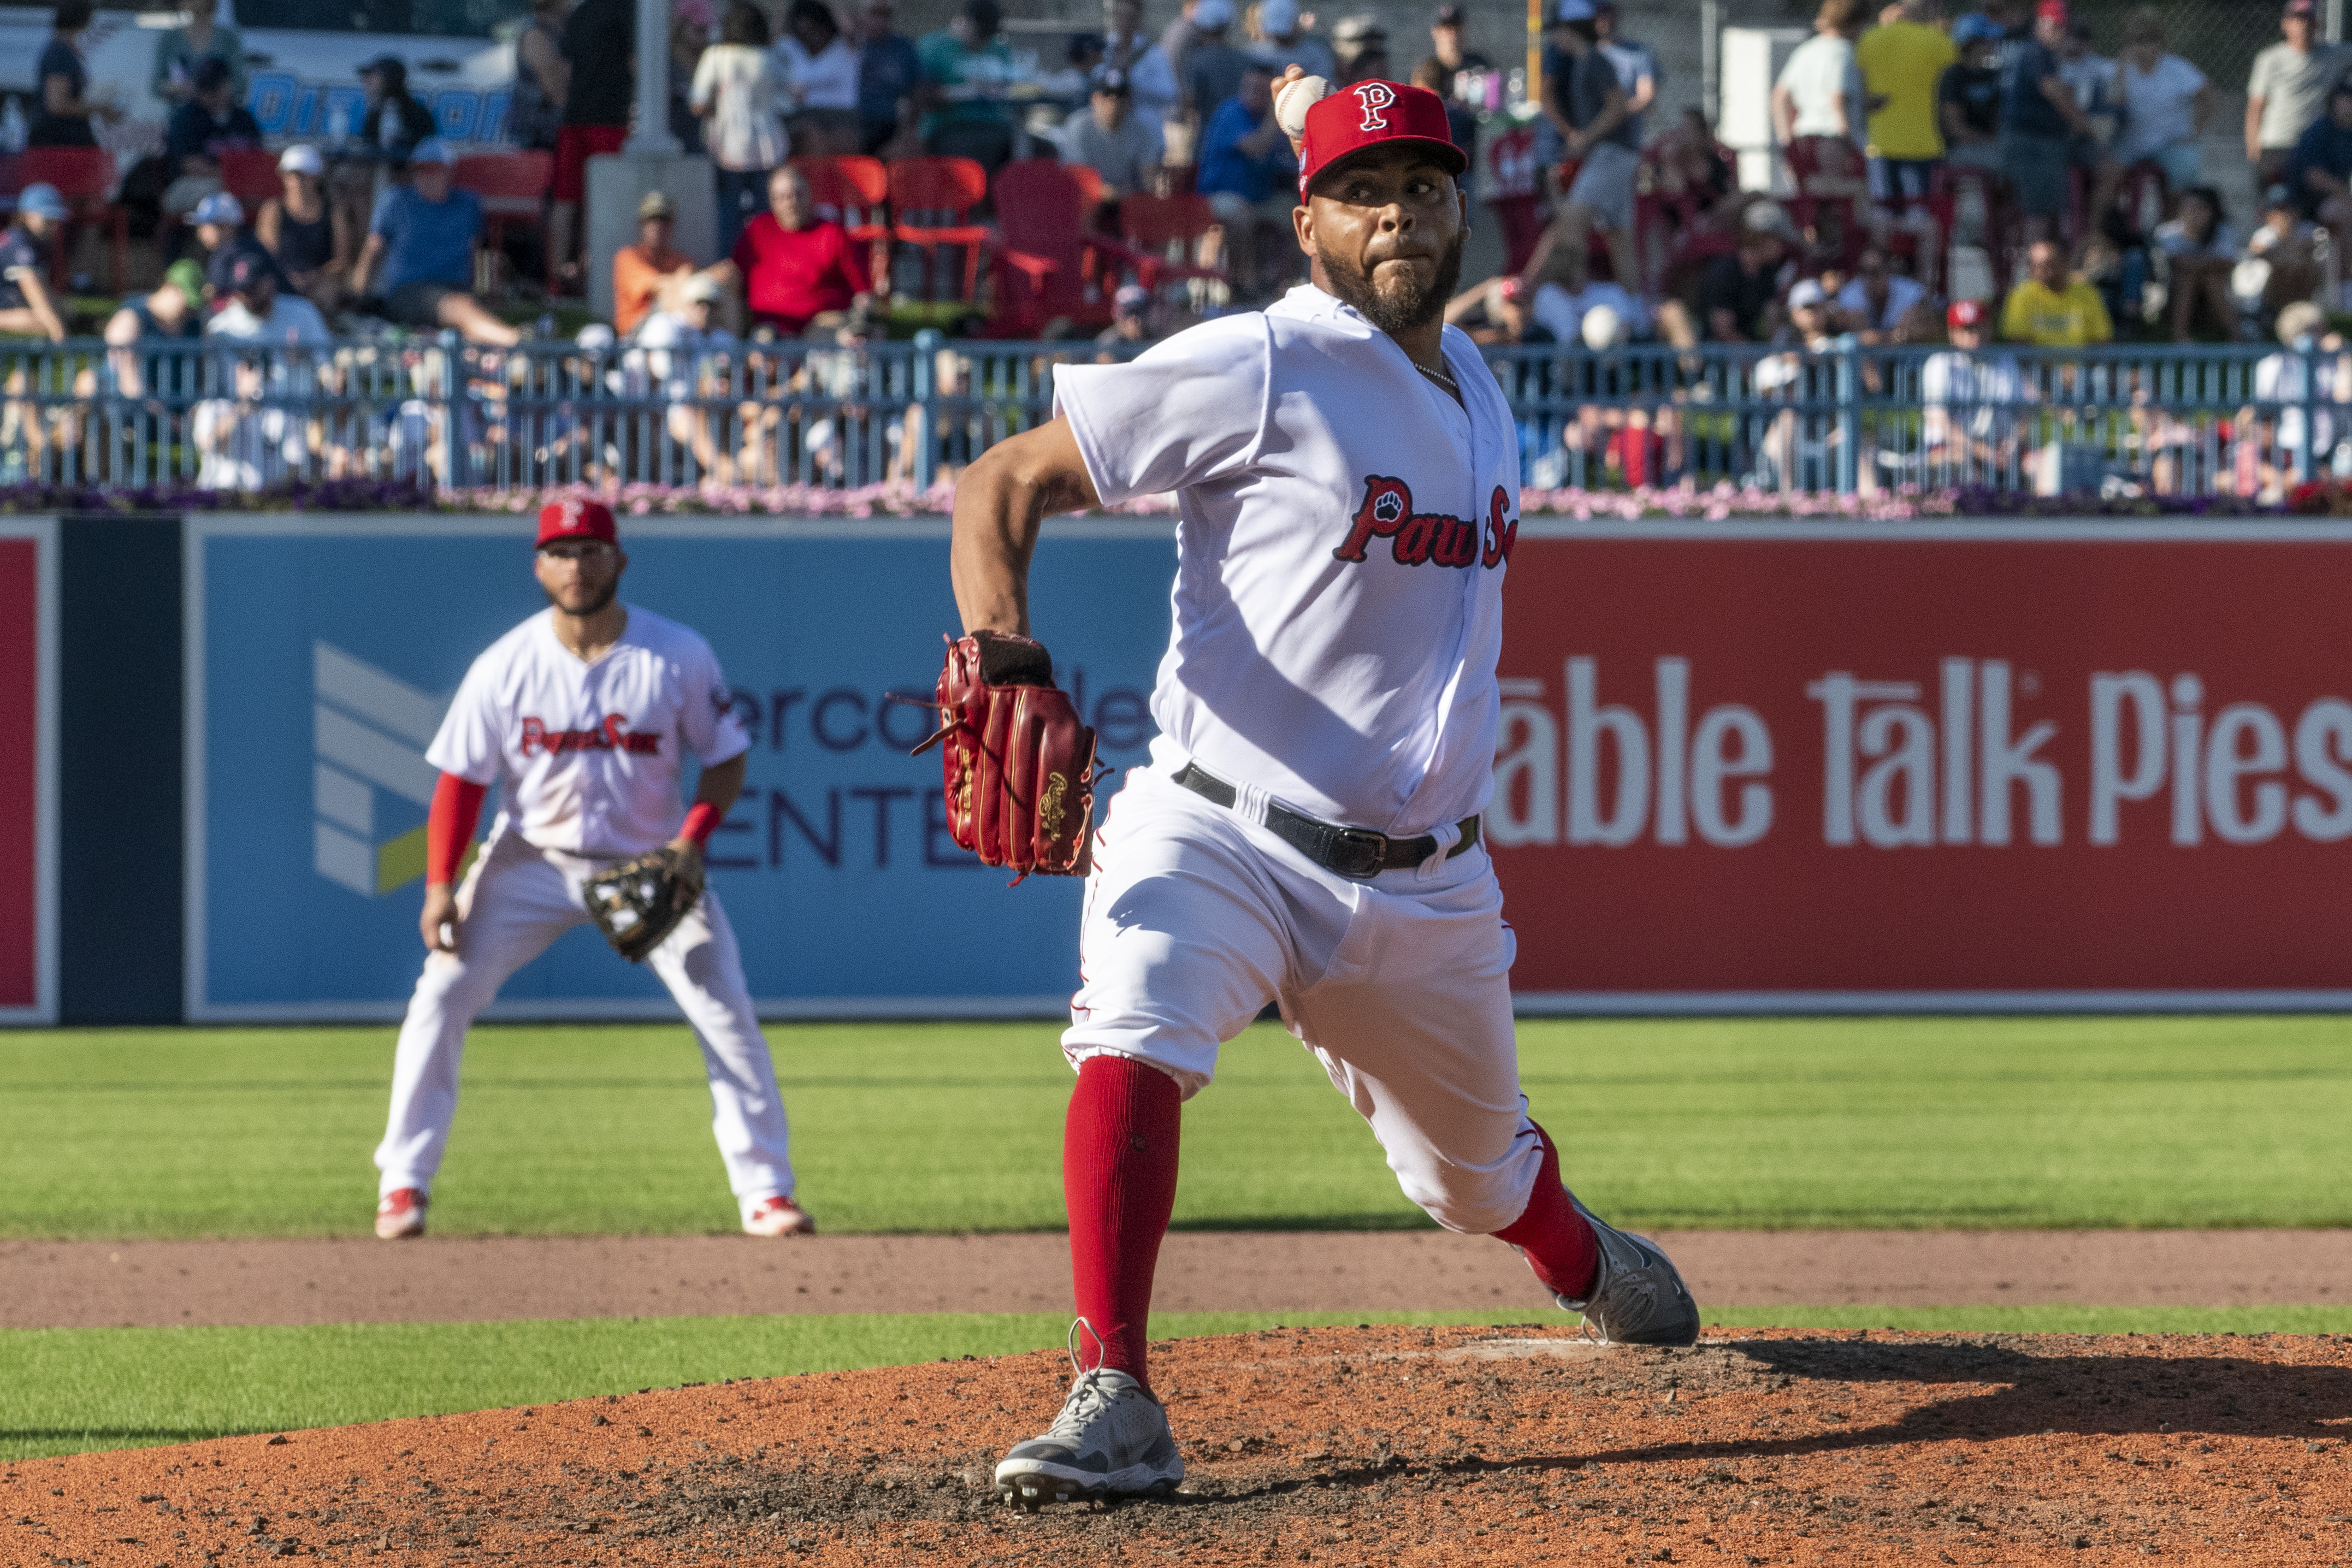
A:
x: 638, y: 904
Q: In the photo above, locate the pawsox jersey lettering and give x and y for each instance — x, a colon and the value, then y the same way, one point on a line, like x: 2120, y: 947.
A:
x: 607, y: 737
x: 1355, y: 684
x: 590, y: 754
x: 1431, y: 537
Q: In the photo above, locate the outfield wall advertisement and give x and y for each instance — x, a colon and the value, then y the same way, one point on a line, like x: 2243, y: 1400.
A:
x: 322, y: 656
x: 28, y: 770
x: 1955, y: 765
x: 1742, y: 766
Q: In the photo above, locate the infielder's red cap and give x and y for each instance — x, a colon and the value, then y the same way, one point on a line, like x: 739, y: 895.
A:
x: 1374, y: 114
x: 1968, y: 313
x: 576, y: 518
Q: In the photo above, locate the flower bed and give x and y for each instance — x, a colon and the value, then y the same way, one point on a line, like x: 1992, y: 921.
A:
x: 1721, y: 502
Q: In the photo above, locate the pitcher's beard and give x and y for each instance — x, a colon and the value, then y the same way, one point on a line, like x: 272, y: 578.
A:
x: 1405, y: 306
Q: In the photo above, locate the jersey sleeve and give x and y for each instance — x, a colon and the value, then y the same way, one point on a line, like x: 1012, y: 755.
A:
x: 707, y: 716
x: 467, y: 744
x: 1190, y: 410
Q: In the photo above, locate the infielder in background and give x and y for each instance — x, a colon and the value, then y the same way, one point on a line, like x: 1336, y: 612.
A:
x: 585, y: 713
x: 1307, y: 830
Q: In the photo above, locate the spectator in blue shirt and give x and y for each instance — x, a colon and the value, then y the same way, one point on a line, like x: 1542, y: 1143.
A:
x: 200, y: 130
x: 422, y: 235
x: 63, y: 107
x: 26, y: 305
x: 2319, y: 169
x: 2043, y: 131
x: 889, y: 74
x: 1248, y: 174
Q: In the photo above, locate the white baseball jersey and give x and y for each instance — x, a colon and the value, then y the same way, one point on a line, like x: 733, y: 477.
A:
x: 1345, y: 526
x: 590, y: 754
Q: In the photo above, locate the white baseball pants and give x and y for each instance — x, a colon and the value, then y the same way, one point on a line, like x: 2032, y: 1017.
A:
x: 514, y: 901
x: 1196, y: 918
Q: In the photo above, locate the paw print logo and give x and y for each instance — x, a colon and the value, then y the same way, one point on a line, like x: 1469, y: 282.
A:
x: 1374, y: 97
x: 1388, y: 507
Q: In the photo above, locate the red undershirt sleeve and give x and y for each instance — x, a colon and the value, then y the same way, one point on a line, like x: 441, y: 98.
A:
x: 449, y: 825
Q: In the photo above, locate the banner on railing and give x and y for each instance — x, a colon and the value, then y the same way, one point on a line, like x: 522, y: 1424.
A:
x: 28, y: 770
x: 1793, y: 767
x: 323, y: 653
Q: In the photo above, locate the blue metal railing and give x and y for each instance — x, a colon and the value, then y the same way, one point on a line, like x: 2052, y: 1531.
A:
x: 2241, y: 421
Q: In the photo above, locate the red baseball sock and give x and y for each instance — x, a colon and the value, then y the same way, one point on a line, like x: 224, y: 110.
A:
x: 1559, y: 1245
x: 1119, y: 1180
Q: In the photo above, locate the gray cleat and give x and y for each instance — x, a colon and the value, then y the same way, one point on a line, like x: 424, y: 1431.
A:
x: 1637, y: 1296
x: 1111, y: 1439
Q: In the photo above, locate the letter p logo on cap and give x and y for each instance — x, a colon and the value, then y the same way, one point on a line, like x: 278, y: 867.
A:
x: 576, y: 518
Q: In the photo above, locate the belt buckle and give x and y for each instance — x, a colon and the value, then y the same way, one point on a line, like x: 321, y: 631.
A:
x: 1357, y: 853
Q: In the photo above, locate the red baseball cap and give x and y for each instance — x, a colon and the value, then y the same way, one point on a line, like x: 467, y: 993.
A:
x: 576, y: 518
x: 1968, y: 313
x: 1372, y: 114
x: 2052, y: 11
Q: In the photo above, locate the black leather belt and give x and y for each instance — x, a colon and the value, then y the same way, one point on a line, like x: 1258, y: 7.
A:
x: 1357, y: 853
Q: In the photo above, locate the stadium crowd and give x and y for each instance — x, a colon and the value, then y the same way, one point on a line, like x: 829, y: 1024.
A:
x: 1964, y: 181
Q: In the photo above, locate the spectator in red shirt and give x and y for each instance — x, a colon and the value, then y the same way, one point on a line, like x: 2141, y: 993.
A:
x: 795, y: 267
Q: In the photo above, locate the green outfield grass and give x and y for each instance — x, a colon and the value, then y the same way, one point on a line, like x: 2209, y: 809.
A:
x: 1907, y: 1122
x: 69, y: 1390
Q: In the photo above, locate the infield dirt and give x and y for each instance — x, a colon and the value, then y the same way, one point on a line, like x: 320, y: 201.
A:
x: 1370, y: 1446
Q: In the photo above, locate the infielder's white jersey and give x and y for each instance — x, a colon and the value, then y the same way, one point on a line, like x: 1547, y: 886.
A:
x: 590, y: 754
x: 1346, y: 525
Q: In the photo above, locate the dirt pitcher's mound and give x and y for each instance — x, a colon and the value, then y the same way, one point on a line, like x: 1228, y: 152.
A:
x: 1370, y: 1446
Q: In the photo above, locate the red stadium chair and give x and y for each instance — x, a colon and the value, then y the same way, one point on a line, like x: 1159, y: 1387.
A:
x: 1090, y: 185
x: 1049, y: 267
x: 931, y: 202
x: 1165, y: 233
x: 1944, y: 200
x: 512, y: 188
x: 83, y: 176
x: 250, y: 175
x: 854, y: 191
x: 1828, y: 204
x: 1507, y: 183
x: 2145, y: 196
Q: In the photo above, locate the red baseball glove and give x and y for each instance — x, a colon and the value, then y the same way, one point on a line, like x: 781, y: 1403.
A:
x: 1019, y: 767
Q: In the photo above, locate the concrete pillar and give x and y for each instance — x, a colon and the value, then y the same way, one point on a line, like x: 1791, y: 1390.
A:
x: 651, y: 135
x: 650, y: 161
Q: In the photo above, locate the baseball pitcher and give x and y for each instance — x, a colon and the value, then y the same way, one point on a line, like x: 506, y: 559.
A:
x: 1307, y: 832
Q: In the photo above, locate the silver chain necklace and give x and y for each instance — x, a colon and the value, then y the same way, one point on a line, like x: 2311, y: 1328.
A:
x: 1441, y: 378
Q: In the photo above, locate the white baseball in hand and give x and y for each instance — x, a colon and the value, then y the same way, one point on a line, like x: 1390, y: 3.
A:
x: 1290, y: 106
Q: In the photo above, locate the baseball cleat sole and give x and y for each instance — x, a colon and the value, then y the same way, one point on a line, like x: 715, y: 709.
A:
x: 1033, y: 1489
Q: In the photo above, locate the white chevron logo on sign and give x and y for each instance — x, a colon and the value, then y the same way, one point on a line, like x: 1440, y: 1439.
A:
x: 370, y: 730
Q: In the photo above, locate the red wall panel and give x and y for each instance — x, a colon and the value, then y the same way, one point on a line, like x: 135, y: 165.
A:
x: 2012, y: 765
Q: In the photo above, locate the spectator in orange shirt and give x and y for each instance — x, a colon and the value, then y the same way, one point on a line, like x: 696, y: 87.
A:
x: 650, y: 275
x: 797, y: 269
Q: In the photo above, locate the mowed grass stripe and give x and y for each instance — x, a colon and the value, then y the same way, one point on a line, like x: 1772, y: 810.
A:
x: 69, y: 1390
x: 1774, y: 1124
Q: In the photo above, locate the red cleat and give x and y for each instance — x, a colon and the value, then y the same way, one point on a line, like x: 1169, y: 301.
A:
x: 777, y: 1216
x: 400, y: 1213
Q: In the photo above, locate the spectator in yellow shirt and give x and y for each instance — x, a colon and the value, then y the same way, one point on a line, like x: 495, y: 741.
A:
x: 2050, y: 307
x: 1901, y: 61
